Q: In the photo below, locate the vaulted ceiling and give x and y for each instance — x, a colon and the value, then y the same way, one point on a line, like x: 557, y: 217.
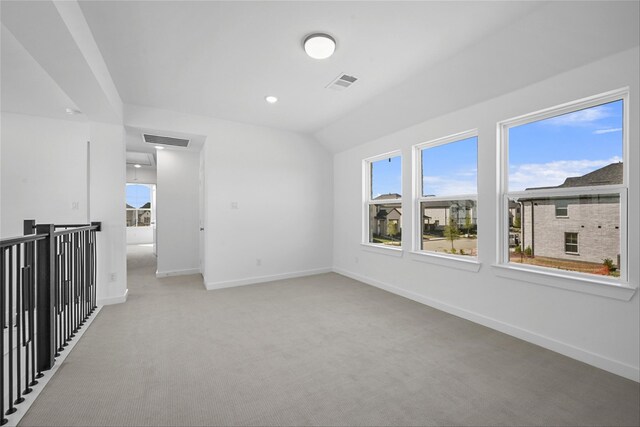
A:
x: 413, y: 60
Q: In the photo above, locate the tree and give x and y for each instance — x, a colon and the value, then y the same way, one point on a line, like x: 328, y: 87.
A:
x: 392, y: 228
x: 467, y: 222
x: 451, y: 232
x: 516, y: 222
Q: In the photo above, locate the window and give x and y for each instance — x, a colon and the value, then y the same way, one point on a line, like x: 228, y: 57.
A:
x: 383, y: 200
x: 571, y: 243
x: 562, y: 208
x: 563, y: 175
x: 139, y: 206
x: 447, y: 202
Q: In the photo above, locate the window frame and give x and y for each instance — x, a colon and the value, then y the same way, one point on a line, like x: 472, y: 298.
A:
x: 577, y: 251
x: 565, y: 206
x: 419, y: 198
x: 619, y: 189
x: 367, y: 200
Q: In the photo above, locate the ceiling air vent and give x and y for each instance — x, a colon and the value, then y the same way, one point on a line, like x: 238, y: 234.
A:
x: 165, y: 140
x: 342, y: 82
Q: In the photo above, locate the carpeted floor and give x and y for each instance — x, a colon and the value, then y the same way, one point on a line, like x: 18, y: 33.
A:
x: 320, y: 350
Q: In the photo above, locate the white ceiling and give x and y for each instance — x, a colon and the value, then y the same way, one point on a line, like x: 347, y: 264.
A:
x: 414, y: 60
x: 26, y: 87
x: 221, y: 59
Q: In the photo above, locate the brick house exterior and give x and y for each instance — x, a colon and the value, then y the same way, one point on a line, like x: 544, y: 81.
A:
x: 584, y: 228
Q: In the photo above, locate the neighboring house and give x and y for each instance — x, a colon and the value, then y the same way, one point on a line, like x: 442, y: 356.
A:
x: 383, y: 214
x: 436, y: 215
x: 584, y: 228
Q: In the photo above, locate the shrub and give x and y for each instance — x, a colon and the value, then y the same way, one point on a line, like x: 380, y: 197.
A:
x: 453, y: 250
x: 518, y: 249
x: 528, y: 251
x: 608, y: 262
x: 462, y: 252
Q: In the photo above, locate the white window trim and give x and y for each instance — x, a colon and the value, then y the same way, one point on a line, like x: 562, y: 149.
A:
x: 463, y: 262
x: 367, y: 201
x: 615, y: 288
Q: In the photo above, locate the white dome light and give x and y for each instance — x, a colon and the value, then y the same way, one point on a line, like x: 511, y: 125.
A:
x: 137, y: 166
x: 319, y: 45
x: 271, y: 99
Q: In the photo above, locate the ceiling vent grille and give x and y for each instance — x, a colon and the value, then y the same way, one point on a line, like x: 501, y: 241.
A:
x: 342, y: 82
x: 165, y: 140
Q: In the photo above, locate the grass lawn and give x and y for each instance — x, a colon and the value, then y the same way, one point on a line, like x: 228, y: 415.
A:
x: 563, y: 264
x: 386, y: 241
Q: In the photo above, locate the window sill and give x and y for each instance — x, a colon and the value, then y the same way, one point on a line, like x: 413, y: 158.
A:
x: 382, y: 249
x: 594, y: 286
x: 451, y: 261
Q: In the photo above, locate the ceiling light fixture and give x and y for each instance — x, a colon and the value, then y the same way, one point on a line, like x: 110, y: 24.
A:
x: 271, y: 99
x: 137, y: 166
x: 159, y: 147
x: 319, y: 45
x: 71, y: 111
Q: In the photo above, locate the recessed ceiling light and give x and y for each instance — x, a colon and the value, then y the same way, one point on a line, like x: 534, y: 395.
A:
x: 319, y: 45
x: 71, y: 111
x: 159, y: 147
x: 271, y: 99
x: 137, y: 166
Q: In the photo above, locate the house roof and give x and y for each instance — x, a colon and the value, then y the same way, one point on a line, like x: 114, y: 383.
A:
x: 608, y: 175
x: 388, y: 196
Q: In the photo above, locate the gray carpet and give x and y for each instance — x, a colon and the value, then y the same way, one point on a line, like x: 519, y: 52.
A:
x: 320, y: 350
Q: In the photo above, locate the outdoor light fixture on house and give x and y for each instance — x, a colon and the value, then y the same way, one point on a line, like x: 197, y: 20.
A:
x: 319, y: 45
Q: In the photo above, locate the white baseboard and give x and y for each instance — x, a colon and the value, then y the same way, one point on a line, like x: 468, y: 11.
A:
x: 113, y: 300
x: 586, y: 356
x: 22, y: 408
x: 169, y: 273
x: 261, y: 279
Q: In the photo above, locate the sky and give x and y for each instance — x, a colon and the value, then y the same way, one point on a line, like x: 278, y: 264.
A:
x: 450, y: 169
x: 386, y: 177
x: 545, y: 153
x: 138, y: 195
x: 541, y: 154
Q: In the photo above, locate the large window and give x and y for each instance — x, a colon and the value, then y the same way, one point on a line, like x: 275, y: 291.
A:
x: 564, y: 185
x: 139, y: 207
x: 383, y: 200
x: 447, y: 219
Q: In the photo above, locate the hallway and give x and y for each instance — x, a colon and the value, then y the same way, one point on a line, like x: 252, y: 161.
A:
x: 319, y: 350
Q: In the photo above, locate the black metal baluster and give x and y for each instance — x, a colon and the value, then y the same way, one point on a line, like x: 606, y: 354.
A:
x: 4, y: 282
x: 29, y: 306
x: 24, y: 308
x: 18, y: 325
x: 32, y: 313
x: 46, y: 298
x: 11, y: 409
x: 58, y: 300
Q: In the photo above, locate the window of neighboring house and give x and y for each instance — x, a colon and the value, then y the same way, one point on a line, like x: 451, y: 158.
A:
x: 571, y: 243
x: 447, y: 200
x: 561, y: 160
x: 383, y: 200
x: 562, y: 208
x: 139, y: 206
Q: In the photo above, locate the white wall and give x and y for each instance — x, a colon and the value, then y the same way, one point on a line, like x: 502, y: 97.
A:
x: 143, y: 175
x: 44, y: 171
x: 139, y: 235
x: 598, y: 330
x: 282, y: 184
x: 45, y: 177
x: 177, y: 216
x: 269, y: 206
x: 108, y: 206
